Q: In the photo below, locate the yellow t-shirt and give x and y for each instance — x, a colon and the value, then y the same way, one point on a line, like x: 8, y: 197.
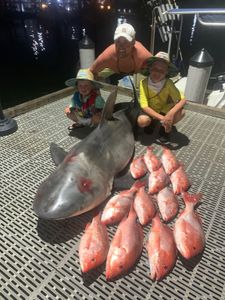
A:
x: 160, y: 102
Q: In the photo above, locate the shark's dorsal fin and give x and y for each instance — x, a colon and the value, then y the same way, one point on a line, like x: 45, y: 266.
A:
x: 107, y: 113
x: 57, y: 153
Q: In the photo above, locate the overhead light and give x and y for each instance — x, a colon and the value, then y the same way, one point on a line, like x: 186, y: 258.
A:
x: 44, y: 6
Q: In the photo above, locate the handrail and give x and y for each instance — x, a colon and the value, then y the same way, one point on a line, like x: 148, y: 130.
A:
x: 198, y: 12
x: 209, y: 23
x: 193, y: 11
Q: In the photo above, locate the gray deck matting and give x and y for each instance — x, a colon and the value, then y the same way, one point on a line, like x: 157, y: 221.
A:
x: 39, y: 259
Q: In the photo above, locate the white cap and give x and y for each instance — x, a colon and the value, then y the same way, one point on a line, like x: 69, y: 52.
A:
x: 125, y: 30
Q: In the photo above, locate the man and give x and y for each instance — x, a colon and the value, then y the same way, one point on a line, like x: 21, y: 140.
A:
x: 126, y: 56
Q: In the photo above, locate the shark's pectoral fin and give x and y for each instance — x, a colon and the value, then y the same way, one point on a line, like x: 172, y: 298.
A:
x: 123, y: 182
x: 57, y: 153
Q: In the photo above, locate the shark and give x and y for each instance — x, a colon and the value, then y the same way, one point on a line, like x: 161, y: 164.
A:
x: 84, y: 176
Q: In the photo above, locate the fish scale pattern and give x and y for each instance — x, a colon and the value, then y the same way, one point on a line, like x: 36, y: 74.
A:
x: 39, y: 258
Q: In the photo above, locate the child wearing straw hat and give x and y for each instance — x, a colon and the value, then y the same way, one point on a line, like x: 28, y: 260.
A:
x: 159, y: 98
x: 86, y: 104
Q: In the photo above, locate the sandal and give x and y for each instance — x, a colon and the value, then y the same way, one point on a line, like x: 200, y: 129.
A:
x: 74, y: 126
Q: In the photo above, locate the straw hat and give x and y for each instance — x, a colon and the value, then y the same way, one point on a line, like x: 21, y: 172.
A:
x: 162, y: 56
x: 83, y: 74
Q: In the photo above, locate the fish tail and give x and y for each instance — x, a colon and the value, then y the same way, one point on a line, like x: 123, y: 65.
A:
x: 98, y: 215
x: 137, y: 185
x: 156, y: 220
x: 87, y: 225
x: 132, y: 210
x: 165, y: 149
x: 150, y: 148
x: 191, y: 198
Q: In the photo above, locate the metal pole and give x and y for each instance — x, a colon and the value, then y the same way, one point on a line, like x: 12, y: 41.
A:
x: 179, y: 37
x: 152, y: 43
x: 1, y: 112
x: 170, y: 37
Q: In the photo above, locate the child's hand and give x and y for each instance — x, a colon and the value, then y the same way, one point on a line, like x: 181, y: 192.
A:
x: 96, y: 118
x: 167, y: 127
x: 67, y: 110
x: 169, y: 117
x: 167, y: 122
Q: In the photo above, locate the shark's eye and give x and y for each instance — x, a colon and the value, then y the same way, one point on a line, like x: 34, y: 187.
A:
x: 85, y: 185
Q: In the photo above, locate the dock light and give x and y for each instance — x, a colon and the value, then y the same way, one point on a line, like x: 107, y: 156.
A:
x: 101, y: 6
x: 7, y: 125
x: 44, y: 6
x: 108, y: 7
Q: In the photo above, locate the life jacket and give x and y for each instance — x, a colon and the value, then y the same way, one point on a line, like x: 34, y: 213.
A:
x: 87, y: 109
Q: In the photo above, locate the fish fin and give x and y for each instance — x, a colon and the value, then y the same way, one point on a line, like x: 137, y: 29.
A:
x: 126, y: 181
x: 199, y: 218
x: 87, y: 225
x: 181, y: 164
x: 57, y: 153
x: 123, y: 182
x: 108, y: 109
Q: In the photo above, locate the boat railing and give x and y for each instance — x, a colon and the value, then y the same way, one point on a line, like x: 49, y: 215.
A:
x: 205, y: 16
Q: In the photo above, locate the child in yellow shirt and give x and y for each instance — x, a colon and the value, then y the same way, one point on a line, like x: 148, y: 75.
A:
x: 159, y: 97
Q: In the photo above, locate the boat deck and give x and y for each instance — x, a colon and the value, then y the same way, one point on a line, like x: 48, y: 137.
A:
x: 39, y: 258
